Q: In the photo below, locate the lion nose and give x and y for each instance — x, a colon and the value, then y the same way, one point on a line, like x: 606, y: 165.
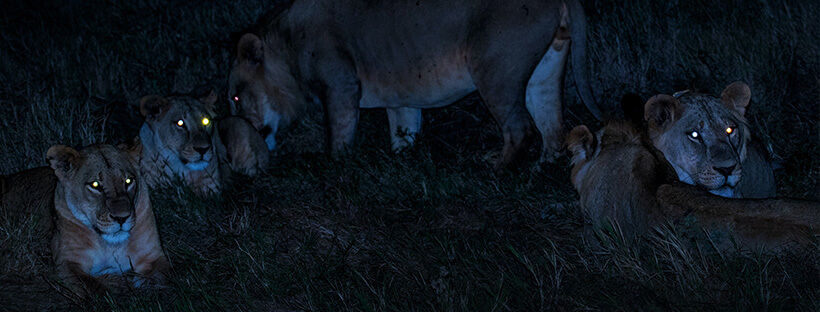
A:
x: 202, y: 150
x: 725, y: 171
x: 120, y: 217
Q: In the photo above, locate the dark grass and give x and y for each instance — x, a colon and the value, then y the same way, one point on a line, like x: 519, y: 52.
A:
x: 432, y: 228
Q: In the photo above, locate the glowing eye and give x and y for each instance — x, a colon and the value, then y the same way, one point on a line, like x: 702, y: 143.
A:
x: 95, y: 184
x: 694, y: 134
x: 206, y: 121
x: 730, y: 130
x: 180, y: 123
x: 128, y: 181
x: 236, y: 99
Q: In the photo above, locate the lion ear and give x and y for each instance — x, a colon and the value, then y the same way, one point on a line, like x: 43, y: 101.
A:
x: 661, y: 110
x: 249, y: 49
x: 581, y: 142
x: 133, y: 149
x: 153, y: 105
x: 62, y: 159
x: 736, y: 97
x: 209, y: 100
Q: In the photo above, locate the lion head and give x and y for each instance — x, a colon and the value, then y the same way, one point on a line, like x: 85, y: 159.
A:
x: 183, y: 126
x: 104, y: 221
x: 262, y: 86
x: 99, y: 186
x: 703, y: 137
x: 179, y: 138
x: 622, y: 177
x: 617, y: 171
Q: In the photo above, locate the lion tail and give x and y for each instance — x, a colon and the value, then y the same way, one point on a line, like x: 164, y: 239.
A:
x: 578, y: 35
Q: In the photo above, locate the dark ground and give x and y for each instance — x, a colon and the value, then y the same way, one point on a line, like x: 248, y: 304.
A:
x: 432, y: 228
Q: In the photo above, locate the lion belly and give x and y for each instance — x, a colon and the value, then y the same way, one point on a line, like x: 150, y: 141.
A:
x: 434, y: 85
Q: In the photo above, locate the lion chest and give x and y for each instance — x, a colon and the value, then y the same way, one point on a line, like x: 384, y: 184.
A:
x: 109, y: 259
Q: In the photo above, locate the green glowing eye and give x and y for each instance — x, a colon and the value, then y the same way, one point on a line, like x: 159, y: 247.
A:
x: 128, y: 181
x: 206, y: 121
x: 180, y: 123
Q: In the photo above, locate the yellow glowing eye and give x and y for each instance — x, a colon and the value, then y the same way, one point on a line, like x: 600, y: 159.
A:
x: 729, y: 130
x: 206, y: 121
x: 180, y: 123
x: 128, y: 181
x: 95, y: 184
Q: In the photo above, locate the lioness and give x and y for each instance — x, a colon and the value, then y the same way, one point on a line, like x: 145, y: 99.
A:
x: 104, y: 221
x: 180, y: 138
x: 707, y: 140
x: 621, y: 176
x: 408, y: 55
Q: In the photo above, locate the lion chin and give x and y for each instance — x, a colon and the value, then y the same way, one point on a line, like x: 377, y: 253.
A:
x: 720, y: 185
x: 197, y: 165
x: 724, y: 191
x: 117, y: 237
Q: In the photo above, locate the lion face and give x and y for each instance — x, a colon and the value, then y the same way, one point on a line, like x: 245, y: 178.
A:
x: 262, y: 88
x: 100, y: 188
x: 703, y: 137
x: 182, y: 128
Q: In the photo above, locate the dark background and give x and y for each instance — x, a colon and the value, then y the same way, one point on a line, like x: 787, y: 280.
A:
x: 432, y: 228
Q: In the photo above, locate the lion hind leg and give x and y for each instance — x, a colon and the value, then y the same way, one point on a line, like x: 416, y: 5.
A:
x: 405, y: 124
x: 544, y: 98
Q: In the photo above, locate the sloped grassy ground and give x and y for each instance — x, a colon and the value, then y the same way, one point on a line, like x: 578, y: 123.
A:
x: 429, y: 229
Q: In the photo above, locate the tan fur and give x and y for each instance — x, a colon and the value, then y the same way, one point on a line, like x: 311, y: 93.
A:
x: 360, y: 54
x: 622, y: 177
x: 245, y: 149
x: 616, y: 172
x: 170, y: 151
x: 109, y: 229
x: 714, y: 159
x: 772, y: 222
x: 165, y: 149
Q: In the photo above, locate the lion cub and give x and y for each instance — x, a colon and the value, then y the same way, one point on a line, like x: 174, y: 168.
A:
x: 104, y: 221
x: 621, y: 176
x: 180, y: 138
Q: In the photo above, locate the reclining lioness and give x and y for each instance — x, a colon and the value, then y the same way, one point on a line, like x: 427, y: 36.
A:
x: 621, y: 176
x: 181, y: 138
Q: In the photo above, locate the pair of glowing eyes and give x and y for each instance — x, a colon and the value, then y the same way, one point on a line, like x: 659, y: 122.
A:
x: 696, y: 135
x: 97, y: 185
x: 205, y: 122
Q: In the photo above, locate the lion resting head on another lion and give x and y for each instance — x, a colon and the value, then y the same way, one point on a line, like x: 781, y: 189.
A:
x: 622, y: 177
x: 104, y: 221
x: 707, y: 141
